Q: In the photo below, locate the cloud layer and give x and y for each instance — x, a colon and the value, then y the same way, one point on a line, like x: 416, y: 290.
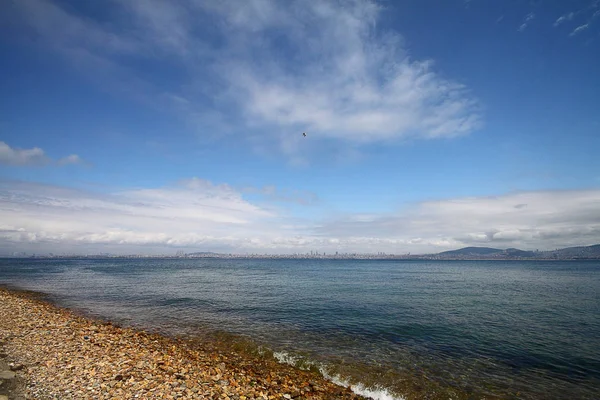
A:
x: 265, y: 66
x: 32, y: 157
x: 544, y: 219
x: 198, y: 215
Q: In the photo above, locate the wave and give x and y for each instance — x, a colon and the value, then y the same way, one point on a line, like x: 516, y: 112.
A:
x: 375, y: 393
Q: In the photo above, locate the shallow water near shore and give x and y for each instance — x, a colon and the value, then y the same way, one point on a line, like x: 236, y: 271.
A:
x: 420, y: 329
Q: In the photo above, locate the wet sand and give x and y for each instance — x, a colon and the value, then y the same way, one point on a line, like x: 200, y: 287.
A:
x: 56, y: 353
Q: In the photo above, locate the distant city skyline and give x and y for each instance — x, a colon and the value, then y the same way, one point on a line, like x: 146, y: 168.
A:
x: 156, y: 127
x: 468, y: 253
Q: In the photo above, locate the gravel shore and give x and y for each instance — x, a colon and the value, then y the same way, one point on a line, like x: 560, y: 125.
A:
x: 47, y: 352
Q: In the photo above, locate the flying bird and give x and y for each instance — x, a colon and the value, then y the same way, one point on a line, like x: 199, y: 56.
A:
x: 304, y: 134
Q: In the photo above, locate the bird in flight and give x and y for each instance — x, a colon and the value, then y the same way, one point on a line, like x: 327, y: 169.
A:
x: 304, y: 134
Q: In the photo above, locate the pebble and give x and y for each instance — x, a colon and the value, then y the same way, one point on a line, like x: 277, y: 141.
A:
x: 15, y: 367
x: 113, y: 362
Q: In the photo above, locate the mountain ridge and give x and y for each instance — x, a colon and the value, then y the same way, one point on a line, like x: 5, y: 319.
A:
x: 577, y: 252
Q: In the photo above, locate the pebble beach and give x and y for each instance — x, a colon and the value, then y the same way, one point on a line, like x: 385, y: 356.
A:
x: 48, y: 352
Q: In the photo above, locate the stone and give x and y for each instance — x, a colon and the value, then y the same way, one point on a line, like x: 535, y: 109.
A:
x: 87, y: 359
x: 15, y: 367
x: 6, y: 375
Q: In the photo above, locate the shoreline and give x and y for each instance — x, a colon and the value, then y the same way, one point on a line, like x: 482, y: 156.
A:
x: 329, y: 258
x: 60, y: 352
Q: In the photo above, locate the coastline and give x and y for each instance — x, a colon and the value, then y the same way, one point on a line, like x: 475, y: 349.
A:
x: 58, y: 353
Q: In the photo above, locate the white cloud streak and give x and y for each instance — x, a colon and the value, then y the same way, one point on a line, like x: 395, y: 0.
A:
x: 570, y: 16
x: 198, y: 215
x: 269, y: 67
x: 31, y: 157
x: 564, y: 18
x: 526, y: 22
x: 579, y: 29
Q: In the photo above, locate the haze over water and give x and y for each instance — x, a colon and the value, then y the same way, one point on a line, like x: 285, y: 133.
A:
x: 524, y: 329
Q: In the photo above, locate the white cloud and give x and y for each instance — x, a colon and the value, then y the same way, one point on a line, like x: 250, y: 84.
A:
x: 563, y: 18
x: 526, y: 21
x: 340, y: 78
x: 585, y: 11
x: 31, y: 157
x: 190, y: 213
x: 198, y: 215
x: 579, y: 29
x: 20, y: 157
x: 71, y: 159
x: 269, y: 67
x: 529, y: 219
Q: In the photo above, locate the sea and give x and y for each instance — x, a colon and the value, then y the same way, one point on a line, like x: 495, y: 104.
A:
x: 389, y: 329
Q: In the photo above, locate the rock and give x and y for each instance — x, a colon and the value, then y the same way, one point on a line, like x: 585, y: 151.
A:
x: 3, y: 397
x: 16, y: 367
x: 6, y: 375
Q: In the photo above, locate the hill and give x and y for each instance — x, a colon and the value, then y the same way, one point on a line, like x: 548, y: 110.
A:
x: 579, y: 252
x: 576, y: 252
x: 471, y: 251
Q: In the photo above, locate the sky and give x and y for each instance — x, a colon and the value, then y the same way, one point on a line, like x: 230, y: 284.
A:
x: 153, y: 126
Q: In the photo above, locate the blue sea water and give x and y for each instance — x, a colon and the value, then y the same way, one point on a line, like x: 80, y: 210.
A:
x: 418, y: 329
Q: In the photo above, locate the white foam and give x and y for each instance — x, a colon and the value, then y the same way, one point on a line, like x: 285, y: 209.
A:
x: 285, y: 358
x: 376, y: 394
x: 360, y: 389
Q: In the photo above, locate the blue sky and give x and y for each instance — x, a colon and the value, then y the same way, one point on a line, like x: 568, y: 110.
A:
x: 155, y: 126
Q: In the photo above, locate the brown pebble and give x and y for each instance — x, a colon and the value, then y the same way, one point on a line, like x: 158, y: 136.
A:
x: 82, y: 358
x: 16, y: 367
